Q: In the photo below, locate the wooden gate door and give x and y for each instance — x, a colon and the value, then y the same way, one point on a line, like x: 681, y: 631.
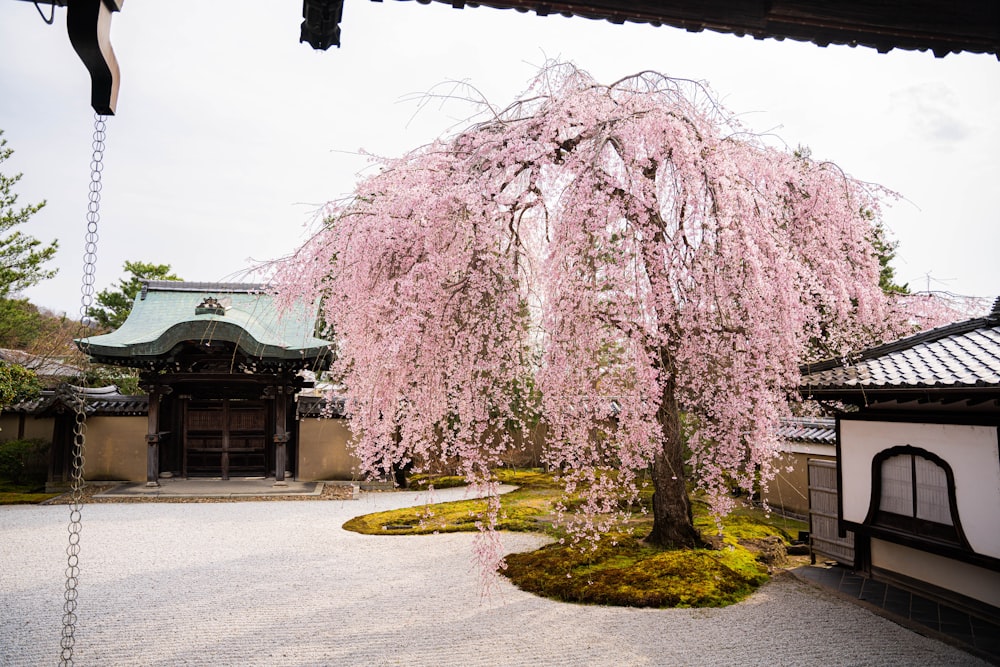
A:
x: 823, y: 535
x: 224, y: 437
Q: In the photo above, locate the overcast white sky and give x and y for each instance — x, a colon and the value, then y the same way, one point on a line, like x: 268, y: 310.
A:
x: 230, y: 134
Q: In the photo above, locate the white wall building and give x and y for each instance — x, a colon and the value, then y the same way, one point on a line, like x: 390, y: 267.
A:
x: 918, y: 465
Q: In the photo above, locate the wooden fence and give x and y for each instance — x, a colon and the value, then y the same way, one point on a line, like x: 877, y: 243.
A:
x: 823, y: 536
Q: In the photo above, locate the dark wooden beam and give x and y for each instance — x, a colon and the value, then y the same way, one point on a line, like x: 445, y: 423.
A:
x: 88, y: 23
x: 941, y: 26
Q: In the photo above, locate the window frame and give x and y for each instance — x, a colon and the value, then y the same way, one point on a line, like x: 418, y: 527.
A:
x: 912, y: 530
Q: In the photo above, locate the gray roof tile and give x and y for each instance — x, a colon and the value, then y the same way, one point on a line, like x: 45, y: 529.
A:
x: 821, y: 430
x: 965, y: 354
x: 98, y: 401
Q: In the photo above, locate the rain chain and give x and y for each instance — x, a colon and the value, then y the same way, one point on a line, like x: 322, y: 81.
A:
x: 78, y: 401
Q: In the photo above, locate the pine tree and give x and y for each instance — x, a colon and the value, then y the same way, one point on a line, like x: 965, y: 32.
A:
x: 22, y: 257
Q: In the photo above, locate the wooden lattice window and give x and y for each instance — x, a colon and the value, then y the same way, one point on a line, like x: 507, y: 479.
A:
x: 914, y: 493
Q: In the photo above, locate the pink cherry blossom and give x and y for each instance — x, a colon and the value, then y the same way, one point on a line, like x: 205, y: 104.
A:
x: 625, y: 263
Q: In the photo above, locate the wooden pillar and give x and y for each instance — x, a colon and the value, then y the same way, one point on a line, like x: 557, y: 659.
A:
x: 280, y: 458
x: 280, y: 434
x: 226, y: 425
x: 153, y: 438
x: 185, y: 400
x: 156, y: 392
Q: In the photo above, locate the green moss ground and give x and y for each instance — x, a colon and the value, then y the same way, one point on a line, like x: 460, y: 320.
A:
x: 620, y: 570
x: 522, y: 510
x: 422, y: 482
x: 630, y: 574
x: 12, y: 493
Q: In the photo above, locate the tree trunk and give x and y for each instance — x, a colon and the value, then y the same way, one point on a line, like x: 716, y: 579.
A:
x: 673, y: 525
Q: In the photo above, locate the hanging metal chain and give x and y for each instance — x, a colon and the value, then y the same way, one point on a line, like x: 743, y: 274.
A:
x: 79, y: 403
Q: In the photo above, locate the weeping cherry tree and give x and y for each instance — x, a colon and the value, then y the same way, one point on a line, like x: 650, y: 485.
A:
x: 624, y: 262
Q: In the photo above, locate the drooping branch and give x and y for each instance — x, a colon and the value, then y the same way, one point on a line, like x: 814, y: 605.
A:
x: 628, y: 255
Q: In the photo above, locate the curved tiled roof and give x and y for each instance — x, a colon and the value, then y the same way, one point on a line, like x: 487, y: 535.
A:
x: 962, y: 356
x: 99, y: 401
x: 166, y: 313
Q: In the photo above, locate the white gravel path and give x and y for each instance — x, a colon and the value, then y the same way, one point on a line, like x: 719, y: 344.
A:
x: 280, y: 583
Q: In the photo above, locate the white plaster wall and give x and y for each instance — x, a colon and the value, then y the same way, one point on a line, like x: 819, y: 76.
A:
x: 971, y: 451
x: 971, y: 581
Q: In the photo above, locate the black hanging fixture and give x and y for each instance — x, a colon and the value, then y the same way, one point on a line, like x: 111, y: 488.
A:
x: 321, y: 27
x: 88, y: 23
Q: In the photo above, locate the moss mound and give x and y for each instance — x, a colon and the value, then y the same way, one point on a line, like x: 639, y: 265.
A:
x: 630, y: 574
x: 620, y: 570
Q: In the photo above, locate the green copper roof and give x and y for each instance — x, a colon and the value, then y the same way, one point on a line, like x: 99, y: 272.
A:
x: 166, y: 313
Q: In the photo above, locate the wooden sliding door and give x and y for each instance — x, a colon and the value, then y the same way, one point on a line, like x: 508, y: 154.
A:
x: 224, y: 437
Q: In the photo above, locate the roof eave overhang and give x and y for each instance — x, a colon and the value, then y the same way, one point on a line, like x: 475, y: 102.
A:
x: 203, y: 331
x: 939, y: 27
x: 930, y: 394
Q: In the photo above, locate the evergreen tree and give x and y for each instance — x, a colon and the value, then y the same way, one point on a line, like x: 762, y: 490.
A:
x: 17, y: 383
x: 22, y: 257
x: 114, y: 305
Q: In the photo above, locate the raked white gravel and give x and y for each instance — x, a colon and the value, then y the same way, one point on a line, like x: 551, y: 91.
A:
x: 280, y: 583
